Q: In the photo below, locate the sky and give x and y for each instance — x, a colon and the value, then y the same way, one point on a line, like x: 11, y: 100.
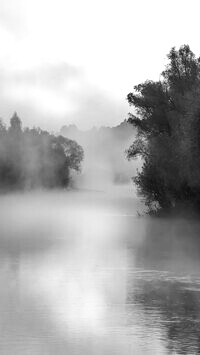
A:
x: 74, y: 61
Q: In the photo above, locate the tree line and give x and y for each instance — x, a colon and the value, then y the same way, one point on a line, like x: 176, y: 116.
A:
x: 167, y: 117
x: 33, y: 158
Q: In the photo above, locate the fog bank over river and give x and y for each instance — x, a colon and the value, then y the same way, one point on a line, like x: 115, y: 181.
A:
x: 81, y: 273
x: 105, y: 160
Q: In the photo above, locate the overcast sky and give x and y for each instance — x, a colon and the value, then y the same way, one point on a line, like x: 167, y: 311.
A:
x: 74, y: 61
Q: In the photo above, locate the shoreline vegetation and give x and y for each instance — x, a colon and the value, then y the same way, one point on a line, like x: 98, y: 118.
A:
x: 167, y: 118
x: 31, y: 158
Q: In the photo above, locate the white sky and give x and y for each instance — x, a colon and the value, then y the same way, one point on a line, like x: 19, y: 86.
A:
x: 74, y: 61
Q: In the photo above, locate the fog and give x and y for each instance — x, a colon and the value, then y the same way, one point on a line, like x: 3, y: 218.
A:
x: 105, y: 162
x: 80, y: 272
x: 83, y: 269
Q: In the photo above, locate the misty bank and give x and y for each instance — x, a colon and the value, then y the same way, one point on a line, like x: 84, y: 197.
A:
x: 32, y: 158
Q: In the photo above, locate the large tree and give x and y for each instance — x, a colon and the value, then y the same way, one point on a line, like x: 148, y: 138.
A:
x: 167, y: 118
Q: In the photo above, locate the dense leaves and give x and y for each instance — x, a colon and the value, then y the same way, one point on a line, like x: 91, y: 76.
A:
x: 31, y: 158
x: 167, y: 117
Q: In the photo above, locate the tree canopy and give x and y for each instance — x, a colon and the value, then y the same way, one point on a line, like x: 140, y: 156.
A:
x: 31, y: 158
x: 167, y: 118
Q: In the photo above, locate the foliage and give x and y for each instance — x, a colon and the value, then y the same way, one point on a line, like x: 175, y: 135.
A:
x: 167, y: 118
x: 31, y: 158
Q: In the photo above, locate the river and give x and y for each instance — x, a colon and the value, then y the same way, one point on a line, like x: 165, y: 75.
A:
x: 82, y: 273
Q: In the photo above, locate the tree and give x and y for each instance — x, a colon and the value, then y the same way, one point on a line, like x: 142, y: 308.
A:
x: 31, y: 158
x: 167, y: 118
x: 15, y: 124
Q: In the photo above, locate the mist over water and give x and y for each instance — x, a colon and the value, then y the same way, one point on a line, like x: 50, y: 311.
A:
x: 105, y: 162
x: 80, y: 273
x: 83, y: 269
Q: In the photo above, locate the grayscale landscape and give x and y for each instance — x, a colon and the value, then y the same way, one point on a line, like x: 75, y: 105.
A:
x: 99, y: 177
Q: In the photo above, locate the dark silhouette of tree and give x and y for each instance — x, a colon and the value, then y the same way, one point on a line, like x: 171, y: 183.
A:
x: 31, y: 158
x: 15, y: 124
x: 167, y: 118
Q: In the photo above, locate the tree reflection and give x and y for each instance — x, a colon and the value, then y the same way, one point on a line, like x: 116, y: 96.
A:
x: 167, y: 288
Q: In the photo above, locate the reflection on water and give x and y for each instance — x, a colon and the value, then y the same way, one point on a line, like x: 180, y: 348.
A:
x: 81, y: 274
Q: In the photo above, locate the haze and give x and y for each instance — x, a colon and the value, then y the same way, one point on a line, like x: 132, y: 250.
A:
x: 65, y: 62
x: 80, y: 273
x: 105, y: 160
x: 83, y: 268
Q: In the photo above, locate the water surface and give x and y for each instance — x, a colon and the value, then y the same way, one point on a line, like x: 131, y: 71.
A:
x: 81, y: 273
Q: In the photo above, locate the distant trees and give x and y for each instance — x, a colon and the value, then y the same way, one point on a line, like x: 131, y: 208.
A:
x: 104, y: 153
x: 31, y: 158
x: 167, y: 118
